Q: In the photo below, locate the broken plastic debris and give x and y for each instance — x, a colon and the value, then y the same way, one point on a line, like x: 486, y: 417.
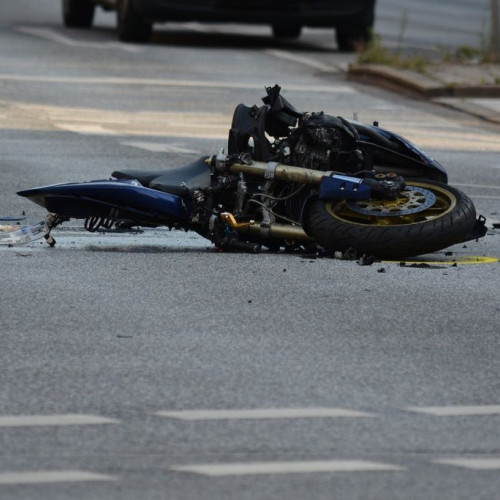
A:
x: 20, y: 235
x: 12, y: 218
x: 366, y: 260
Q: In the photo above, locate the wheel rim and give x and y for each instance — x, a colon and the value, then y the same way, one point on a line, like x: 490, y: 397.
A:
x: 421, y: 203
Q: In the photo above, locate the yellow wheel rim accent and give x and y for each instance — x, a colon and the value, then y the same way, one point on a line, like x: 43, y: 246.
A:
x: 445, y: 203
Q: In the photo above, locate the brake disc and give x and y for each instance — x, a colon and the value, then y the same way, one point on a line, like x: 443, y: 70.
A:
x: 411, y: 200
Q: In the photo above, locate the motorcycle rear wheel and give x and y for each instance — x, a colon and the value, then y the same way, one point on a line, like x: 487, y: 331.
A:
x: 371, y: 231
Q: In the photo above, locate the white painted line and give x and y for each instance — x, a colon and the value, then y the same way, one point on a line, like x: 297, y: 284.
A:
x: 85, y: 129
x: 46, y: 420
x: 484, y: 197
x: 471, y: 463
x: 245, y: 469
x: 481, y: 186
x: 53, y: 36
x: 161, y: 148
x: 253, y: 414
x: 330, y: 89
x: 305, y: 61
x: 456, y: 411
x: 37, y: 477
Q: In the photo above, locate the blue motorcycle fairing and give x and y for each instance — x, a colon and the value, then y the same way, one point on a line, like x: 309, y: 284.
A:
x: 118, y: 199
x: 343, y: 187
x: 369, y: 133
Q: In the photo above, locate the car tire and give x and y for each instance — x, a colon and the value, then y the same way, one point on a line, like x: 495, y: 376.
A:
x: 287, y: 30
x: 130, y: 25
x: 352, y: 38
x: 78, y: 13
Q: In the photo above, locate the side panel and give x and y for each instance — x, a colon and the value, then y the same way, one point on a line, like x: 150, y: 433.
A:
x: 109, y: 199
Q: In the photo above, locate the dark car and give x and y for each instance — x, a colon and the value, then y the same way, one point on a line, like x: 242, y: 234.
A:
x: 352, y: 19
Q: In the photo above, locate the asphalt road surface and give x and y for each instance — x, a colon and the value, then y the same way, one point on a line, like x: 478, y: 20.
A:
x: 146, y: 365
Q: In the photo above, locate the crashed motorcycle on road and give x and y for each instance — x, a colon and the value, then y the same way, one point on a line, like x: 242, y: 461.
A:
x: 288, y: 180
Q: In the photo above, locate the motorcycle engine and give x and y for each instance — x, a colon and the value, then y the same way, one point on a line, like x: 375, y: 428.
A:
x: 323, y: 142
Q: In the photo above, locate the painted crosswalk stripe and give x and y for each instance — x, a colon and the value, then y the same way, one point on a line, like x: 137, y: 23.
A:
x: 254, y: 468
x: 456, y: 411
x: 48, y: 420
x: 212, y: 84
x: 304, y: 60
x: 471, y: 463
x: 264, y: 413
x: 155, y: 147
x: 37, y: 477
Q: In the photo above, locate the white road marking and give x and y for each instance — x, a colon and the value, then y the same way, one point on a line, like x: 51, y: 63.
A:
x: 251, y: 468
x: 161, y: 148
x: 254, y: 414
x: 53, y: 36
x: 471, y: 463
x: 479, y: 186
x: 37, y: 477
x: 305, y: 61
x: 46, y: 420
x: 330, y: 89
x: 457, y: 411
x: 85, y: 129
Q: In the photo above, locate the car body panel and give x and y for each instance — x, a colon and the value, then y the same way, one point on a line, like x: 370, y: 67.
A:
x: 306, y: 13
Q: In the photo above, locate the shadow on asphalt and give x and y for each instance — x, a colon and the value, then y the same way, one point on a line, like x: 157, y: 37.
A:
x: 189, y: 38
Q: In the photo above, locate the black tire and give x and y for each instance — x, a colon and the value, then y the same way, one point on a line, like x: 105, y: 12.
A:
x: 336, y: 227
x: 352, y: 38
x: 130, y: 24
x: 78, y: 13
x: 291, y: 31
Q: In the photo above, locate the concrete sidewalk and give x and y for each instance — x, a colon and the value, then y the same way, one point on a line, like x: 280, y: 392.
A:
x: 471, y: 88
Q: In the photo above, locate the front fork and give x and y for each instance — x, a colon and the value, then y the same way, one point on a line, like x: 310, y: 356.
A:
x: 52, y: 221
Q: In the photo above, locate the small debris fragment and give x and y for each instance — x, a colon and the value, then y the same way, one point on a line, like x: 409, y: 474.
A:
x: 125, y: 336
x: 448, y: 253
x: 465, y: 246
x: 309, y: 255
x: 249, y: 301
x: 366, y: 260
x: 349, y: 254
x: 454, y: 265
x: 284, y: 270
x: 381, y: 270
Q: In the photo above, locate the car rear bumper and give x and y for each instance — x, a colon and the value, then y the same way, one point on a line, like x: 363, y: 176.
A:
x: 303, y: 12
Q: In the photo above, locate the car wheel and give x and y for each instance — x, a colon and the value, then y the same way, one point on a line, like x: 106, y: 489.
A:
x: 131, y: 26
x: 78, y: 13
x: 351, y: 38
x: 287, y: 30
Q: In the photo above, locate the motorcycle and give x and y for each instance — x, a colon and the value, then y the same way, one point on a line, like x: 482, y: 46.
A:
x: 288, y: 180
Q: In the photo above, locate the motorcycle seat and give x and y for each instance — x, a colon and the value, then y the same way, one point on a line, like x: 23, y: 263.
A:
x: 179, y: 181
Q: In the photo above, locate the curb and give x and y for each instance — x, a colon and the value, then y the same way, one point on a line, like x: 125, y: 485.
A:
x: 423, y: 87
x: 415, y: 83
x: 394, y: 79
x: 470, y: 108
